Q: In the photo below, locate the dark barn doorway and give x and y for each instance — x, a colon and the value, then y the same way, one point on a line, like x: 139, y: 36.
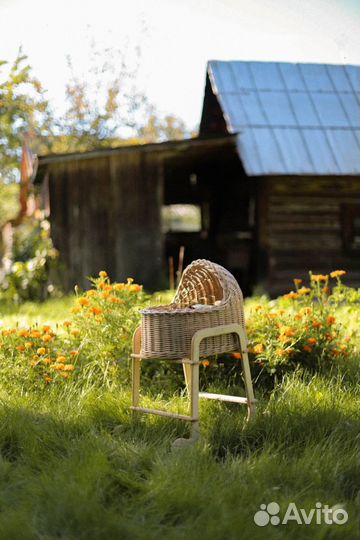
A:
x: 209, y: 208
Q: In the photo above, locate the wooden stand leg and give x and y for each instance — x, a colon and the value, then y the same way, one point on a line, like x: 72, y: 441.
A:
x: 247, y: 375
x: 194, y: 388
x: 136, y: 368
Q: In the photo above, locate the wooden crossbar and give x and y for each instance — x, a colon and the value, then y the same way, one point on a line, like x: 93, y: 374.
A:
x: 164, y: 413
x: 223, y: 397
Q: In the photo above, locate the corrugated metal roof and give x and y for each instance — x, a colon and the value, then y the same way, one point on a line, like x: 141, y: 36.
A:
x: 291, y: 118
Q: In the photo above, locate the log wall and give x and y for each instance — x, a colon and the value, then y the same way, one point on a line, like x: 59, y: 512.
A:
x: 302, y: 226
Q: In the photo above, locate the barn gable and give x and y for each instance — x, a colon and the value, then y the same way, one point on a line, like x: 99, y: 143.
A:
x: 291, y: 119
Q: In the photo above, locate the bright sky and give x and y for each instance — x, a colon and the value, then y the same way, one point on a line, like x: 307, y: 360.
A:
x: 177, y: 38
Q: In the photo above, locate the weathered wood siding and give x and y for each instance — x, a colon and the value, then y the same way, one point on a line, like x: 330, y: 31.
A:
x: 301, y: 228
x: 105, y: 214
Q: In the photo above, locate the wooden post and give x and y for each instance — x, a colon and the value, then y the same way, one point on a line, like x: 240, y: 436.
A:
x: 180, y: 265
x: 171, y: 273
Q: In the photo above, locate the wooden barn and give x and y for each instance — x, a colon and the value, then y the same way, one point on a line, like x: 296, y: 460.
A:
x: 269, y: 189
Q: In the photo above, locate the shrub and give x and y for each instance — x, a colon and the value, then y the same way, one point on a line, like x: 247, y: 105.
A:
x: 31, y: 274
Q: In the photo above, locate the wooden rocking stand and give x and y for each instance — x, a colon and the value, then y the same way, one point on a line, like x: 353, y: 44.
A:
x: 206, y: 317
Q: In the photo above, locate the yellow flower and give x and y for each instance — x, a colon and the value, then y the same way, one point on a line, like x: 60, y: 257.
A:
x: 119, y: 286
x: 67, y: 324
x: 291, y: 295
x: 61, y: 359
x: 83, y: 301
x: 135, y: 288
x: 75, y: 309
x: 74, y: 353
x: 69, y: 367
x: 304, y: 290
x: 92, y: 292
x: 75, y: 332
x: 297, y: 282
x: 337, y: 273
x: 103, y: 274
x: 319, y: 277
x: 205, y: 363
x: 287, y: 331
x: 41, y: 351
x: 259, y: 348
x: 28, y: 345
x: 130, y: 280
x: 46, y: 338
x: 35, y: 334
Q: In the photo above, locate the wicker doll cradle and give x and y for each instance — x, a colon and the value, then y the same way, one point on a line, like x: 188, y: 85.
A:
x: 206, y: 317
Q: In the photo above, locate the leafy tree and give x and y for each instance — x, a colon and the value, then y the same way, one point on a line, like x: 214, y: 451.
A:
x: 23, y: 108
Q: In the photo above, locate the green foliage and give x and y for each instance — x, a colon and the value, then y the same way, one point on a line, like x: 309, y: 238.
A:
x: 23, y: 108
x: 9, y: 201
x: 34, y: 264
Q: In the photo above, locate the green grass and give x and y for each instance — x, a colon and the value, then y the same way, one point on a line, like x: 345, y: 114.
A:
x: 75, y: 464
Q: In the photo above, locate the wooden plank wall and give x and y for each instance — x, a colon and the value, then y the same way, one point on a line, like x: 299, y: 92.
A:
x: 105, y: 215
x: 303, y: 228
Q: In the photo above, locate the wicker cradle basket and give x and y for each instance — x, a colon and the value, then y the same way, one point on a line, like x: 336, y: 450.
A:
x: 207, y: 296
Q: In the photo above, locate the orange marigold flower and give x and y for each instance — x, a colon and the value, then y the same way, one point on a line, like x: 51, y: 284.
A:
x: 304, y: 290
x: 41, y: 351
x: 83, y: 301
x: 47, y: 361
x: 326, y: 290
x: 281, y: 352
x: 74, y: 353
x: 319, y: 277
x: 291, y: 295
x: 28, y: 345
x: 298, y: 317
x: 75, y: 332
x: 57, y: 367
x: 91, y: 293
x: 46, y: 338
x: 135, y: 288
x: 236, y: 355
x: 23, y: 333
x: 119, y: 286
x: 288, y: 331
x: 331, y: 320
x: 312, y: 341
x: 306, y: 311
x: 130, y: 280
x: 95, y: 310
x: 337, y: 273
x: 115, y: 300
x: 306, y: 348
x: 69, y: 367
x: 205, y: 363
x: 20, y: 348
x: 259, y: 348
x: 316, y: 324
x: 61, y: 359
x: 46, y: 328
x: 297, y: 281
x: 35, y: 334
x: 67, y: 324
x: 103, y: 274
